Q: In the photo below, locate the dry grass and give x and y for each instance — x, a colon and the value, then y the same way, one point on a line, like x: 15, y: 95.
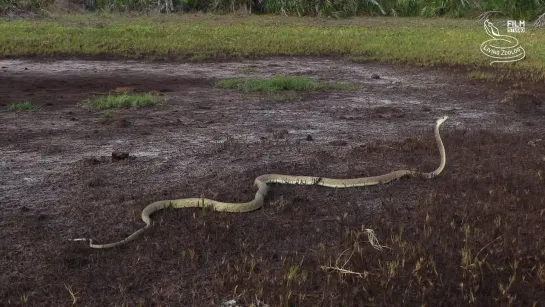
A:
x: 473, y: 238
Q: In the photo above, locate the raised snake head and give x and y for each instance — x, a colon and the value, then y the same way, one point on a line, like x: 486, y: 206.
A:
x: 441, y: 120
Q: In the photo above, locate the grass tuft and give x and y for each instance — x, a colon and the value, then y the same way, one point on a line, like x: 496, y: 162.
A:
x: 123, y: 101
x: 480, y: 75
x: 280, y: 83
x: 22, y: 106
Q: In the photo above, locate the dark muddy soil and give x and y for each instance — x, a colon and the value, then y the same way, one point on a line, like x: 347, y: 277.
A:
x: 472, y: 235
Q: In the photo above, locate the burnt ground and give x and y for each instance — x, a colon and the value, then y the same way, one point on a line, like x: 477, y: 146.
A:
x: 472, y: 235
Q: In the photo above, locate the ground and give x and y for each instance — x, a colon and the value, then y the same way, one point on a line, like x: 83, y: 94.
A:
x: 57, y: 182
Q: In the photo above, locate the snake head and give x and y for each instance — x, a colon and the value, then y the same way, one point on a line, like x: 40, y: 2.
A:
x: 441, y: 120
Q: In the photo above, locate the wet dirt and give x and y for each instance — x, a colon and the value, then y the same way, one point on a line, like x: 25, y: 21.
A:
x: 58, y: 181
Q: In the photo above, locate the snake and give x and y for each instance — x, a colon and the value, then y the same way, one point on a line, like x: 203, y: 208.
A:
x: 262, y: 188
x: 513, y: 52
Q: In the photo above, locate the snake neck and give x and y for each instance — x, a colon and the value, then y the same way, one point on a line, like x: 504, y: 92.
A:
x: 442, y: 151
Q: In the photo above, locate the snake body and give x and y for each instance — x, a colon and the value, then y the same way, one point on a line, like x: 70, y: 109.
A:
x: 262, y: 185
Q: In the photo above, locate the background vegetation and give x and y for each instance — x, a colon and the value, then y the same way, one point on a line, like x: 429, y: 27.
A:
x: 520, y: 9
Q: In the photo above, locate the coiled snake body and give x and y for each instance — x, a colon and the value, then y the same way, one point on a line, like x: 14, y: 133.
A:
x: 261, y: 183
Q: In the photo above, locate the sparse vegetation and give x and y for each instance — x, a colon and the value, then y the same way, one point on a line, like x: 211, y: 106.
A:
x: 22, y: 106
x: 282, y: 88
x: 473, y: 235
x: 280, y: 83
x: 458, y: 246
x: 122, y: 101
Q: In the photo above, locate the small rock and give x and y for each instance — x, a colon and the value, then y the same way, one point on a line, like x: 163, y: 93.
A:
x: 119, y: 155
x: 375, y: 76
x: 533, y: 142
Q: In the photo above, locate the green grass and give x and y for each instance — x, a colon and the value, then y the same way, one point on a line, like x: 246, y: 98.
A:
x: 123, y: 101
x: 22, y: 106
x: 280, y: 83
x: 415, y: 41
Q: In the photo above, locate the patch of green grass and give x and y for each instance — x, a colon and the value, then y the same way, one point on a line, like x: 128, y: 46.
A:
x: 275, y: 84
x: 280, y: 83
x: 123, y: 101
x: 25, y: 105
